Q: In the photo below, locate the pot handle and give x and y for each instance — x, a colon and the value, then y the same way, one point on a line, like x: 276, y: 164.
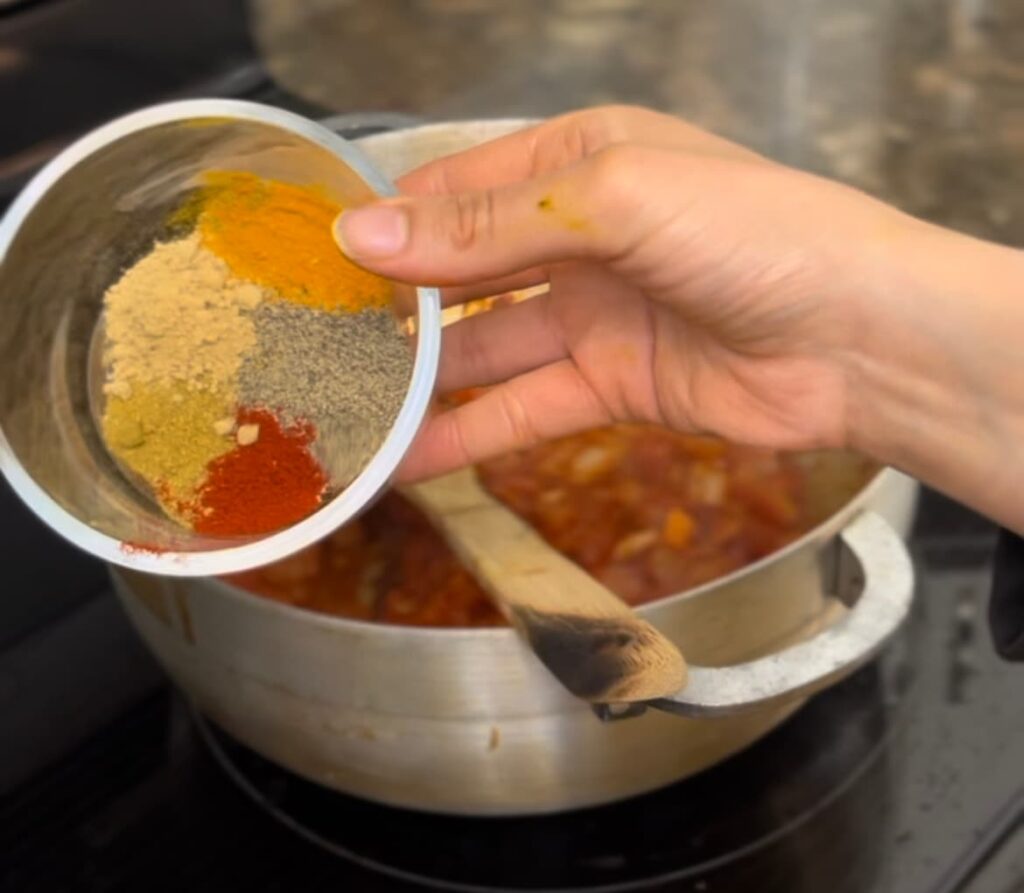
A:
x: 875, y: 572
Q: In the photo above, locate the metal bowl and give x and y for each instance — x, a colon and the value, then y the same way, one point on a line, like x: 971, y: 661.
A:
x: 76, y: 226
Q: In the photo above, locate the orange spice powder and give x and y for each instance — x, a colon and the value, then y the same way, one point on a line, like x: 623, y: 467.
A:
x: 278, y: 235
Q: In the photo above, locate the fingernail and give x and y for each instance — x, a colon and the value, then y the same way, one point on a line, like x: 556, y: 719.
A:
x: 377, y: 231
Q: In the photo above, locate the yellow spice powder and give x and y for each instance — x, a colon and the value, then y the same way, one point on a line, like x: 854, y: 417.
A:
x: 168, y: 435
x: 278, y: 235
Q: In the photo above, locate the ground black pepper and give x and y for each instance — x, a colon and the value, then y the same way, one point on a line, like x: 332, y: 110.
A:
x: 346, y: 373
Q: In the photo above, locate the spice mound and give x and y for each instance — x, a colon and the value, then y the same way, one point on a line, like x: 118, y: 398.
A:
x: 250, y: 370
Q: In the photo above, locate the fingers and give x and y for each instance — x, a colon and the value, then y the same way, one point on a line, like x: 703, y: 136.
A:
x: 498, y: 162
x: 492, y: 347
x: 564, y: 189
x: 557, y: 143
x: 549, y: 402
x: 517, y: 156
x: 598, y: 208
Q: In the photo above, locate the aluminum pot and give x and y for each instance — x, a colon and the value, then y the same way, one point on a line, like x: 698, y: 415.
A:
x: 468, y: 721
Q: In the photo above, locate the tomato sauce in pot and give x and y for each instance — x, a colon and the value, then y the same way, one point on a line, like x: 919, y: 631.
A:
x: 647, y: 511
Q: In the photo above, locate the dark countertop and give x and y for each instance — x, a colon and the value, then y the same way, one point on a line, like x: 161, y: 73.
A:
x: 918, y: 101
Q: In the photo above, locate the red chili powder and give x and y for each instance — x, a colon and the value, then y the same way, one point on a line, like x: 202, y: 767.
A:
x: 264, y: 486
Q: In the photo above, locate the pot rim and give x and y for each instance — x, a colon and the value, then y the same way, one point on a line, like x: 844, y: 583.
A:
x: 826, y: 529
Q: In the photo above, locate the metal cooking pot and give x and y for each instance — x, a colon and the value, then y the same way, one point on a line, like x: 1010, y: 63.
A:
x: 468, y: 720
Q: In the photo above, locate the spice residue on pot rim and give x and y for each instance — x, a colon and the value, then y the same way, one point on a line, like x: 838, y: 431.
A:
x: 251, y: 370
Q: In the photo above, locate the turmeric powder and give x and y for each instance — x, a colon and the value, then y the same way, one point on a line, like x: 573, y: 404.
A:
x: 278, y: 235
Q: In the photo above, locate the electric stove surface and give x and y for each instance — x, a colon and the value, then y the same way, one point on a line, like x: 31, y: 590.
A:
x: 907, y: 777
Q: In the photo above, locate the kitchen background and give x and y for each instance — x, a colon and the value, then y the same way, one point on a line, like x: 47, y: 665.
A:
x: 918, y: 101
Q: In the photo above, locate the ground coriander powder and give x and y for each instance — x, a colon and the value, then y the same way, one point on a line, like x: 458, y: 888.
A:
x: 165, y: 433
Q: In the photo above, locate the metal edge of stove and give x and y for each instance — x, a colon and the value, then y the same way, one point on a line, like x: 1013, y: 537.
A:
x: 248, y: 81
x: 968, y: 870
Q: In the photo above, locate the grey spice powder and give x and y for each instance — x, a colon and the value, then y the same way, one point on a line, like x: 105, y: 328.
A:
x: 346, y: 373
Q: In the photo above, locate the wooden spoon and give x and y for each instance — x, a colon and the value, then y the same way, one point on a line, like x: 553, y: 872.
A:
x: 590, y: 640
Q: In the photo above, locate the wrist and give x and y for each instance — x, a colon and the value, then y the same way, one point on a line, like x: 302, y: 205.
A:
x: 937, y: 387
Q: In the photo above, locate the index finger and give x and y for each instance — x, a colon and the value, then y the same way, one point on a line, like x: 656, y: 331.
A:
x: 559, y: 142
x: 539, y: 405
x: 522, y: 154
x: 507, y: 159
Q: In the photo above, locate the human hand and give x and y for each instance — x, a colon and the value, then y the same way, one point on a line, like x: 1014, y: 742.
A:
x: 692, y: 283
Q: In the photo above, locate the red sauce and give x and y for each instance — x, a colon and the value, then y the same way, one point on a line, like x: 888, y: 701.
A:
x: 649, y: 512
x: 388, y: 565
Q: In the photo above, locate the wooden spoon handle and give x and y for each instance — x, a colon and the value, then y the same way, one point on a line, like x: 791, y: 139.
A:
x: 589, y: 639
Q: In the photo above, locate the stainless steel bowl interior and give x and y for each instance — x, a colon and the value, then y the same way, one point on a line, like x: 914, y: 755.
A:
x: 79, y: 223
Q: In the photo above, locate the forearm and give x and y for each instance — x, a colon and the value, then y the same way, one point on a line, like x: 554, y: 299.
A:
x: 938, y: 387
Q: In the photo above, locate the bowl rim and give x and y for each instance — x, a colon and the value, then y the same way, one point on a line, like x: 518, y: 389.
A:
x: 373, y: 478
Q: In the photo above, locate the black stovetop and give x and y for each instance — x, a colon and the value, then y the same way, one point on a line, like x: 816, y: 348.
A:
x: 906, y: 778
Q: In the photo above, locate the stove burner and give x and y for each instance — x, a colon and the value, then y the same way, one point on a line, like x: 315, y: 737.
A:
x: 824, y: 771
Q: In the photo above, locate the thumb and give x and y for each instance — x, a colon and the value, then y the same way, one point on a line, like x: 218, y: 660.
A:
x: 594, y: 209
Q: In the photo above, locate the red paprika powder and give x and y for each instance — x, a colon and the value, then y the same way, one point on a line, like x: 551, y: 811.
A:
x: 264, y: 486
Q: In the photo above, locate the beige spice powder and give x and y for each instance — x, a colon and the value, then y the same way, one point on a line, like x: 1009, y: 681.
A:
x: 178, y: 316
